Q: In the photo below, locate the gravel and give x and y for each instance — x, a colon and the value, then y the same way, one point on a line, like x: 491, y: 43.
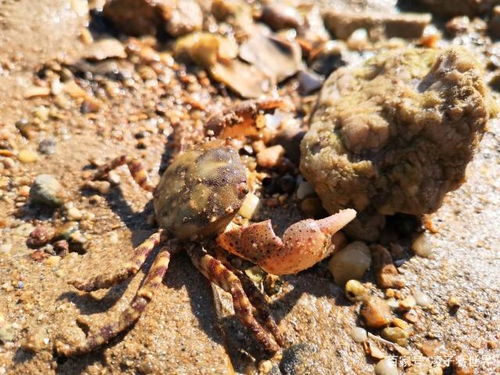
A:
x: 46, y: 190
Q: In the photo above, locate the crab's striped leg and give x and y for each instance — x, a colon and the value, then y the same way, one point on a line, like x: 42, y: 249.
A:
x: 129, y: 316
x: 107, y: 280
x: 262, y: 309
x: 135, y: 167
x: 256, y: 297
x: 216, y: 272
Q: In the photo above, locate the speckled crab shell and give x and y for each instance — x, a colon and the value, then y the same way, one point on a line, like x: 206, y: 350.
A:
x: 201, y: 191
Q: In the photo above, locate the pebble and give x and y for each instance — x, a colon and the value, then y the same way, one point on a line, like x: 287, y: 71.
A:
x: 350, y: 263
x: 429, y: 348
x: 407, y: 304
x: 453, y: 303
x: 27, y: 156
x: 24, y: 191
x: 114, y: 238
x: 281, y: 16
x: 386, y: 273
x: 376, y: 313
x: 355, y: 291
x: 309, y: 82
x: 359, y: 334
x: 74, y: 214
x: 114, y: 178
x: 26, y: 128
x: 270, y: 156
x: 40, y: 236
x: 461, y: 365
x: 327, y: 58
x: 422, y: 245
x: 46, y: 190
x: 249, y: 206
x: 401, y: 324
x: 305, y: 189
x: 300, y: 360
x: 47, y: 146
x: 396, y: 334
x: 411, y: 316
x: 265, y: 366
x: 422, y: 299
x: 102, y: 187
x: 386, y: 367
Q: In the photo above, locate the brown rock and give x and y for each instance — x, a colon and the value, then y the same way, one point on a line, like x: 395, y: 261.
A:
x: 40, y: 236
x: 386, y: 272
x: 281, y: 16
x: 362, y: 163
x: 134, y: 17
x: 105, y: 49
x: 376, y: 313
x: 343, y: 23
x: 459, y: 7
x: 138, y: 17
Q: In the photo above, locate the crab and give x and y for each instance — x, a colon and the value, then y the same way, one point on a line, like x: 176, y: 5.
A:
x: 195, y: 202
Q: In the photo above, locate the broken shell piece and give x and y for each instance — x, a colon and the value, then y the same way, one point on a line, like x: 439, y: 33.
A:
x: 277, y: 57
x: 245, y: 80
x: 243, y: 119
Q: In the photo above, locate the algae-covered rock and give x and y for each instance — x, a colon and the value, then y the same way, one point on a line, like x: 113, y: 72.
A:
x: 396, y: 133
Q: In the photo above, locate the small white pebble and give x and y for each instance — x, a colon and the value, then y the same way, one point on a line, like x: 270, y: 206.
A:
x: 113, y: 178
x: 5, y: 248
x: 249, y: 206
x: 422, y: 299
x: 114, y: 238
x: 74, y: 213
x: 422, y: 245
x: 359, y: 334
x: 304, y: 190
x: 386, y: 367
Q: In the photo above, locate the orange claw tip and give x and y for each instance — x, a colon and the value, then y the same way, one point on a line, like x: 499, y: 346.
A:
x: 335, y: 222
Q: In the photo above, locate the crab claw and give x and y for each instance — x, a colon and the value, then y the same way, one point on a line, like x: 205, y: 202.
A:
x: 304, y: 243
